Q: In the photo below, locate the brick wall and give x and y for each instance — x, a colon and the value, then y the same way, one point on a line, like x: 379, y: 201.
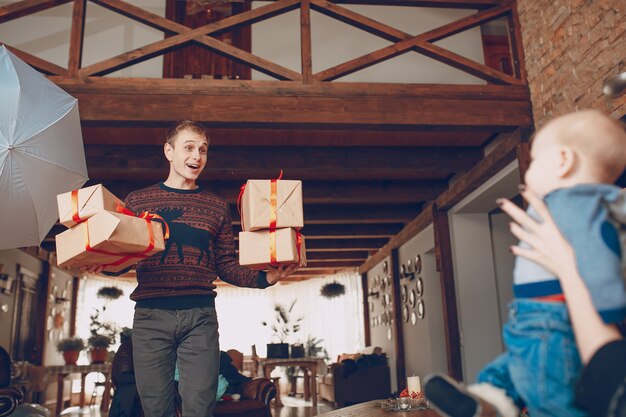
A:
x: 571, y: 47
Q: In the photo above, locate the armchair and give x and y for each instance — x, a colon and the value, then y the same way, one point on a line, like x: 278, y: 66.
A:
x: 9, y: 397
x: 255, y: 396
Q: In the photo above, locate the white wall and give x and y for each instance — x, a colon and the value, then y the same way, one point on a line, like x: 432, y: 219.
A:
x: 383, y: 335
x: 107, y: 34
x: 478, y: 299
x: 425, y: 341
x: 504, y: 261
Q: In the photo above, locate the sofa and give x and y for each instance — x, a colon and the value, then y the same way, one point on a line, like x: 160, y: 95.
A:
x: 356, y: 378
x: 256, y: 393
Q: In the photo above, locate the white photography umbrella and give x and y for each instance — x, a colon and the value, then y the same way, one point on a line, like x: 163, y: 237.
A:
x: 41, y: 152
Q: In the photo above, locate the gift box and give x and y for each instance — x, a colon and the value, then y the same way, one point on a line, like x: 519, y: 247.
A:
x: 79, y: 205
x: 271, y: 204
x: 113, y: 240
x: 263, y: 248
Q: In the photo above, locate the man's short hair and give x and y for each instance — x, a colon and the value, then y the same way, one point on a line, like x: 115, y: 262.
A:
x: 196, y: 127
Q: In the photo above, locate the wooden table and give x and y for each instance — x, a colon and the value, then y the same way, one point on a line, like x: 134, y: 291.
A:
x: 40, y: 376
x: 373, y: 409
x: 310, y: 364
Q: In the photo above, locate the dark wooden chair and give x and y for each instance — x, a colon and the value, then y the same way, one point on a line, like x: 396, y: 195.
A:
x: 9, y: 397
x: 255, y: 396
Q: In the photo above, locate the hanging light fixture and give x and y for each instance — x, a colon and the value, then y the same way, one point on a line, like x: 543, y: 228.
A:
x: 616, y: 86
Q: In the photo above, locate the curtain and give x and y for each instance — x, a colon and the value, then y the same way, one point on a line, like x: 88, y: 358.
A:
x: 338, y: 321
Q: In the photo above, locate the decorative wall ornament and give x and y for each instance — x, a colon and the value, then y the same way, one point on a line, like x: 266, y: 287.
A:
x: 405, y: 313
x: 419, y: 287
x: 421, y: 309
x: 403, y: 293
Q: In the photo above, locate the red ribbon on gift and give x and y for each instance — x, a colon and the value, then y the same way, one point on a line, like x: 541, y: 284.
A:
x: 122, y: 210
x: 146, y: 216
x: 124, y: 257
x: 273, y: 202
x: 273, y: 259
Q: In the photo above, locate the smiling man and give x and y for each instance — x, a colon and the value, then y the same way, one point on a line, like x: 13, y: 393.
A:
x: 175, y: 318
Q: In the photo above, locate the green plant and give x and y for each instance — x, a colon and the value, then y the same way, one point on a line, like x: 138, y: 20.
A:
x: 313, y: 349
x: 100, y: 341
x: 110, y: 293
x: 70, y: 344
x: 97, y: 326
x: 284, y: 327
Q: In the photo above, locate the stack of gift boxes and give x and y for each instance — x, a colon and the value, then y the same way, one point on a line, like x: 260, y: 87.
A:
x: 102, y: 232
x: 271, y: 219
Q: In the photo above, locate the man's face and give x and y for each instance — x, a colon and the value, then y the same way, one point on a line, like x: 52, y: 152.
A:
x: 542, y: 175
x: 188, y: 155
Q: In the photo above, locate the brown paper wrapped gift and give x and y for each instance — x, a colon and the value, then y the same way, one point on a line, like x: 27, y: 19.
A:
x: 255, y: 248
x: 119, y: 235
x: 257, y: 209
x: 90, y: 201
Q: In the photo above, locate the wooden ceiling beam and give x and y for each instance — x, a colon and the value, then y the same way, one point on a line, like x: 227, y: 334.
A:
x: 449, y: 4
x: 503, y: 154
x: 239, y: 163
x: 25, y: 7
x: 346, y: 231
x: 140, y: 135
x: 410, y: 230
x: 184, y: 35
x: 241, y: 103
x: 348, y: 245
x: 320, y: 193
x: 38, y: 63
x: 404, y: 42
x: 329, y: 256
x: 359, y: 213
x: 336, y: 263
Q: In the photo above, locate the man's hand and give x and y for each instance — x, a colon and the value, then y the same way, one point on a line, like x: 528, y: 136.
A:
x: 276, y: 274
x: 91, y: 269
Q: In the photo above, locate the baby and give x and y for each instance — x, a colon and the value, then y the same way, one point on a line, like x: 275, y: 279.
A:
x: 575, y: 159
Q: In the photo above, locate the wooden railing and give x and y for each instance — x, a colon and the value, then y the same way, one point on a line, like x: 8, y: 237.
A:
x: 180, y: 35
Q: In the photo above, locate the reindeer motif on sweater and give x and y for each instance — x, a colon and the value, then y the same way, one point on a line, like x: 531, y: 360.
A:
x: 201, y: 245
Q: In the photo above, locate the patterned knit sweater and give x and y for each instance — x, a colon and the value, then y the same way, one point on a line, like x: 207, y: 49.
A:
x: 201, y: 246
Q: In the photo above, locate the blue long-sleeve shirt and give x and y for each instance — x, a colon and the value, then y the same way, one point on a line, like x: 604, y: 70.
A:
x: 583, y: 216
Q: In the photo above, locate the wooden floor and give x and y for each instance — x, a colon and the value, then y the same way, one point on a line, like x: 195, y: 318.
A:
x: 293, y: 407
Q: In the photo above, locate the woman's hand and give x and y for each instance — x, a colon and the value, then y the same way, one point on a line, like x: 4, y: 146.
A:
x: 276, y: 274
x: 548, y: 248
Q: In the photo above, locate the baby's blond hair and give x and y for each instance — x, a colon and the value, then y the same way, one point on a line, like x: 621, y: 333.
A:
x: 596, y: 137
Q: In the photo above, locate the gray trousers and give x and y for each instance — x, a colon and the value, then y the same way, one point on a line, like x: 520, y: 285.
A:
x: 163, y: 337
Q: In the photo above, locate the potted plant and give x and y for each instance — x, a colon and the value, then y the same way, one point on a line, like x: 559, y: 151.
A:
x: 103, y: 335
x: 99, y: 345
x: 284, y: 327
x: 71, y: 348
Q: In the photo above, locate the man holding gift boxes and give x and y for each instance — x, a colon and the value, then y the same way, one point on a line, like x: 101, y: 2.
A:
x: 175, y: 318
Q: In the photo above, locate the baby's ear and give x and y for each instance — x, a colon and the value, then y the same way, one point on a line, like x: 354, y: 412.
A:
x: 569, y: 161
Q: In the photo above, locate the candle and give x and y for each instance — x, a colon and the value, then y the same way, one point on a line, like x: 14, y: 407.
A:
x: 413, y: 384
